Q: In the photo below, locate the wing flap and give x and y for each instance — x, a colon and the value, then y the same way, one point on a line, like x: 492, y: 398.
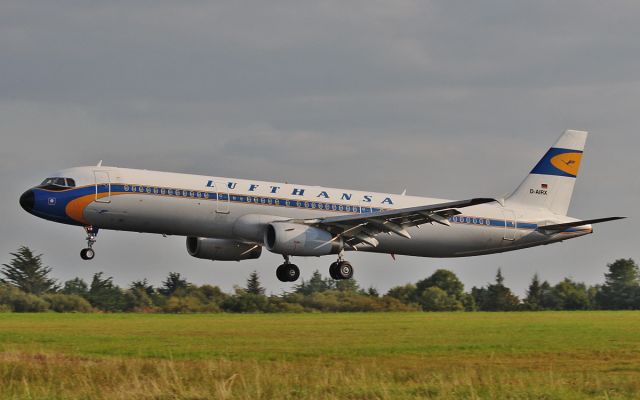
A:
x: 362, y: 228
x: 393, y: 215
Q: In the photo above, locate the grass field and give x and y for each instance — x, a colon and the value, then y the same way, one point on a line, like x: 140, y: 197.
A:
x: 550, y: 355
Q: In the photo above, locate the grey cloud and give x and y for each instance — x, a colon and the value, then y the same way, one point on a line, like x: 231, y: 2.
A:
x: 450, y: 99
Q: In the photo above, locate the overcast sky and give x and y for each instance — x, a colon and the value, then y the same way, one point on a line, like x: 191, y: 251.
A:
x: 450, y: 99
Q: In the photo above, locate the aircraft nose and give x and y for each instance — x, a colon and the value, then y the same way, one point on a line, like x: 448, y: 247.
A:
x: 28, y: 200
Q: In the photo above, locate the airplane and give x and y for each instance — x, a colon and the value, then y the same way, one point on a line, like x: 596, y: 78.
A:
x: 234, y: 219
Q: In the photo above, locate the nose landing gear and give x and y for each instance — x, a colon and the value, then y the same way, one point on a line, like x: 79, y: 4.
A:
x: 88, y: 253
x: 287, y: 272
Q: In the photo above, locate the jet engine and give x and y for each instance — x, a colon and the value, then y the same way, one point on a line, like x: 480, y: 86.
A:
x: 221, y: 249
x: 300, y: 240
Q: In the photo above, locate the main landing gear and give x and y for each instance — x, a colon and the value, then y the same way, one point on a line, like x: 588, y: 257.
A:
x: 288, y: 272
x: 338, y: 270
x: 88, y: 253
x: 341, y: 269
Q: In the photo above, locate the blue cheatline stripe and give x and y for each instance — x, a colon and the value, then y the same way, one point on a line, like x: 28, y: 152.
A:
x: 544, y: 166
x: 234, y: 198
x: 62, y: 198
x: 498, y: 223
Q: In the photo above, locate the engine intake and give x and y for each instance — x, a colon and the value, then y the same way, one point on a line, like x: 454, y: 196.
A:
x: 300, y: 240
x: 221, y: 249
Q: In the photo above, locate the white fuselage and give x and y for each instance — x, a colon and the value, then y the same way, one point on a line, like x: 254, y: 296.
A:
x: 216, y: 207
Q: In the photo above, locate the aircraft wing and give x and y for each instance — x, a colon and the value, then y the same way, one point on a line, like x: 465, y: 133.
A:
x: 555, y: 228
x: 362, y: 228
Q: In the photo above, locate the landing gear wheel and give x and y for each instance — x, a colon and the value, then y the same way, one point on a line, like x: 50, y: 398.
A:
x: 280, y: 273
x: 87, y: 254
x: 292, y: 272
x: 344, y: 270
x: 288, y: 273
x: 333, y: 270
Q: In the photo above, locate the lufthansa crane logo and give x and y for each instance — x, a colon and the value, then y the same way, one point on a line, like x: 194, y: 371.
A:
x: 568, y: 163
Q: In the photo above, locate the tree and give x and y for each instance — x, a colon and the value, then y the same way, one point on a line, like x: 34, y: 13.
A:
x: 212, y: 294
x: 26, y: 272
x: 76, y: 286
x: 621, y: 289
x: 373, y: 292
x: 104, y: 295
x: 445, y: 280
x: 405, y: 293
x: 547, y: 299
x: 174, y: 283
x: 570, y: 295
x: 479, y: 294
x: 447, y: 284
x: 144, y: 286
x: 496, y: 297
x: 253, y: 284
x: 533, y: 301
x: 316, y: 284
x: 347, y: 285
x: 469, y: 302
x: 435, y: 299
x: 245, y: 302
x: 136, y: 299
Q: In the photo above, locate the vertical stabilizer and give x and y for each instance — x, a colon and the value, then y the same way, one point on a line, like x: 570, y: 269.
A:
x: 550, y: 183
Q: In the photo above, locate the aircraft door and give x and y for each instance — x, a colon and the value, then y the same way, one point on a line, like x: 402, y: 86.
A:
x: 365, y: 207
x: 509, y: 225
x: 223, y: 197
x: 103, y: 186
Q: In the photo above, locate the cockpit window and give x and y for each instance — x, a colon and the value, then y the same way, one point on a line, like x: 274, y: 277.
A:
x: 57, y: 183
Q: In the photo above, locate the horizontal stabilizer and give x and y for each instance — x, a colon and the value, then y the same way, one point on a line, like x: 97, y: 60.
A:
x: 562, y: 227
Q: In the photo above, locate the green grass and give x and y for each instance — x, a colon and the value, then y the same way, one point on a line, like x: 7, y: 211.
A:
x: 549, y: 355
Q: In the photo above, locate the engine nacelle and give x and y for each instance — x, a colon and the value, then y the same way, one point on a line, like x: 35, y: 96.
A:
x: 300, y: 240
x: 221, y: 249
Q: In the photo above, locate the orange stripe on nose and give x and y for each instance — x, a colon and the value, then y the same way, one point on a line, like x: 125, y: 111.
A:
x: 75, y: 208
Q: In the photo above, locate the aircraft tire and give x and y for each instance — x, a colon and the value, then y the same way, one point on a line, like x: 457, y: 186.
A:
x: 344, y: 270
x: 333, y: 270
x: 87, y: 254
x: 292, y: 272
x: 280, y: 273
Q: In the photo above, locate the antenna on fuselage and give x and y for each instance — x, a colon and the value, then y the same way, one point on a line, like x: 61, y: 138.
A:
x: 99, y: 164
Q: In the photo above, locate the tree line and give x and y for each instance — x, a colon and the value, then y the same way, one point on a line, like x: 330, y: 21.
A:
x: 27, y: 286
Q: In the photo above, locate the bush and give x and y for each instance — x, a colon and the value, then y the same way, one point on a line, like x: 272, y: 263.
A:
x: 67, y: 303
x: 20, y: 301
x: 244, y: 302
x: 137, y: 300
x: 188, y: 304
x: 435, y: 299
x: 278, y: 304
